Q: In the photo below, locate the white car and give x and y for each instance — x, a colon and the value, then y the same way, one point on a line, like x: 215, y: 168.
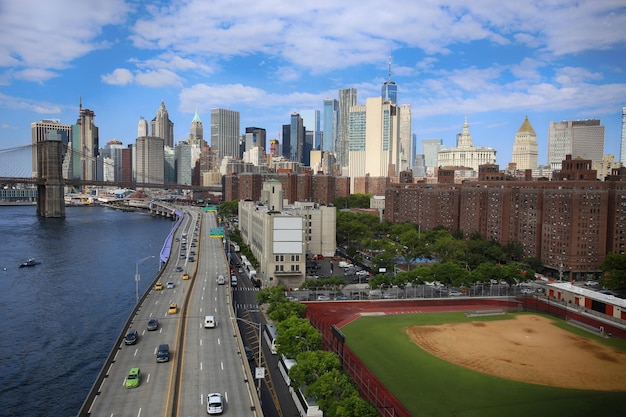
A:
x: 214, y: 403
x: 170, y: 285
x: 323, y: 298
x: 455, y: 293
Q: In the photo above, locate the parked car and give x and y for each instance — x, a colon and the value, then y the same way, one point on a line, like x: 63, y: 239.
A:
x: 153, y: 324
x: 132, y: 380
x: 249, y: 353
x: 455, y: 293
x: 131, y: 337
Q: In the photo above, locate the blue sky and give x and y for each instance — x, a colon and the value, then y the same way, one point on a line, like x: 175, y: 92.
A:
x: 491, y: 61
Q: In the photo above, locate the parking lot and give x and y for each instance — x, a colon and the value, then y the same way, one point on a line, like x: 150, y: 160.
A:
x: 357, y: 288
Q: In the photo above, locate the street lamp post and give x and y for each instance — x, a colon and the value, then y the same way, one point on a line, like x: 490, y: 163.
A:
x: 138, y: 277
x: 259, y: 371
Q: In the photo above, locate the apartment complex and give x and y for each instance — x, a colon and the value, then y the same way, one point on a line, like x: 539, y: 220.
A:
x: 281, y: 236
x: 570, y: 225
x: 320, y: 188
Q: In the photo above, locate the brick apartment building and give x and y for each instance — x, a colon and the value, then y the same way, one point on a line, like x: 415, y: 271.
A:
x: 319, y: 188
x: 569, y: 224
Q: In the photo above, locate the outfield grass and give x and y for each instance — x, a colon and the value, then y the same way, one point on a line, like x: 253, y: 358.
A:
x: 428, y: 386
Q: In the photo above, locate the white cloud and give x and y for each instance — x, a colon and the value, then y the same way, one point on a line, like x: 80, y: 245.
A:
x: 119, y: 76
x: 35, y: 74
x: 158, y: 78
x: 18, y: 103
x: 51, y: 34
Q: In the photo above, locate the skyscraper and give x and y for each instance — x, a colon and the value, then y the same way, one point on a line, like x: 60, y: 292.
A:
x: 311, y: 120
x: 255, y: 137
x: 347, y: 99
x: 150, y: 160
x: 430, y: 150
x: 162, y: 127
x: 297, y: 134
x: 196, y: 132
x: 85, y: 146
x: 404, y: 160
x: 579, y: 138
x: 389, y: 90
x: 622, y: 148
x: 142, y: 127
x: 374, y: 139
x: 183, y: 158
x: 330, y: 125
x: 525, y: 147
x: 286, y: 145
x: 44, y: 130
x: 225, y: 132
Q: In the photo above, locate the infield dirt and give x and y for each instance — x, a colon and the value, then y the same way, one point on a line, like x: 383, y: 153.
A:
x: 528, y: 348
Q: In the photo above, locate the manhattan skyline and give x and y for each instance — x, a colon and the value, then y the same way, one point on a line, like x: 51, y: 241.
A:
x: 491, y: 62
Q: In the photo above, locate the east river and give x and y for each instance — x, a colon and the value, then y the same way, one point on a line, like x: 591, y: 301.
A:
x: 60, y: 319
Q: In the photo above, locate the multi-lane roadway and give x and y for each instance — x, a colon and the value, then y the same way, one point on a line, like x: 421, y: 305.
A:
x: 202, y: 360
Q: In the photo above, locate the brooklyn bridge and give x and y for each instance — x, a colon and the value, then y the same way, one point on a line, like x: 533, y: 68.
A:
x: 17, y: 166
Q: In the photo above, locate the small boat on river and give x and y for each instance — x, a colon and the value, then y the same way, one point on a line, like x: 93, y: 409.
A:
x: 30, y: 262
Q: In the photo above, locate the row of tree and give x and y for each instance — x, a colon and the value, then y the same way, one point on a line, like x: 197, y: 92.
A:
x: 317, y: 373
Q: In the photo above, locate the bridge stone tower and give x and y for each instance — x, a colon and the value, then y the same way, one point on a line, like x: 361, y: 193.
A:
x: 50, y: 200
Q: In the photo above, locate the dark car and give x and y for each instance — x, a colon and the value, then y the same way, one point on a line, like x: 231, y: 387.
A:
x: 153, y: 324
x: 249, y: 353
x: 131, y: 337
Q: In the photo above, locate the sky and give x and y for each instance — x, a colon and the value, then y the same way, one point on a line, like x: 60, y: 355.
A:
x: 491, y: 61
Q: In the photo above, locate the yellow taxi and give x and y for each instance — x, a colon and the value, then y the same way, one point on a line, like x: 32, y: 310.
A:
x: 185, y: 275
x: 173, y: 308
x: 158, y: 286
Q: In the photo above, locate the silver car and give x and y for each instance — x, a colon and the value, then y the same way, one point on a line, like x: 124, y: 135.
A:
x: 214, y: 403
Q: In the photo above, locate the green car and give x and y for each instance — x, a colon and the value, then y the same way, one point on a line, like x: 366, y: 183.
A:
x: 132, y: 380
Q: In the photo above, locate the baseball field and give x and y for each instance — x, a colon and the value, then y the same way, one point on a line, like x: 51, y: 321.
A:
x: 518, y: 364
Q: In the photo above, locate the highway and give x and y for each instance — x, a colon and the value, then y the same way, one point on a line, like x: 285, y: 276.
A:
x: 202, y: 360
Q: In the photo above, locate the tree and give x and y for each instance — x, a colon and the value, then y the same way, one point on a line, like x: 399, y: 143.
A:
x: 450, y: 273
x: 329, y: 388
x: 296, y: 335
x: 280, y: 307
x: 310, y: 365
x: 448, y: 249
x: 354, y: 406
x: 229, y: 208
x: 614, y: 268
x: 283, y: 310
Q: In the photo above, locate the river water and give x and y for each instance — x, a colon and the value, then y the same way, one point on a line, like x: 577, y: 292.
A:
x: 60, y: 319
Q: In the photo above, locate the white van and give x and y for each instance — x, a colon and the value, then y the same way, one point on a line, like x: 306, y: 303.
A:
x: 233, y: 280
x: 209, y: 321
x: 220, y: 279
